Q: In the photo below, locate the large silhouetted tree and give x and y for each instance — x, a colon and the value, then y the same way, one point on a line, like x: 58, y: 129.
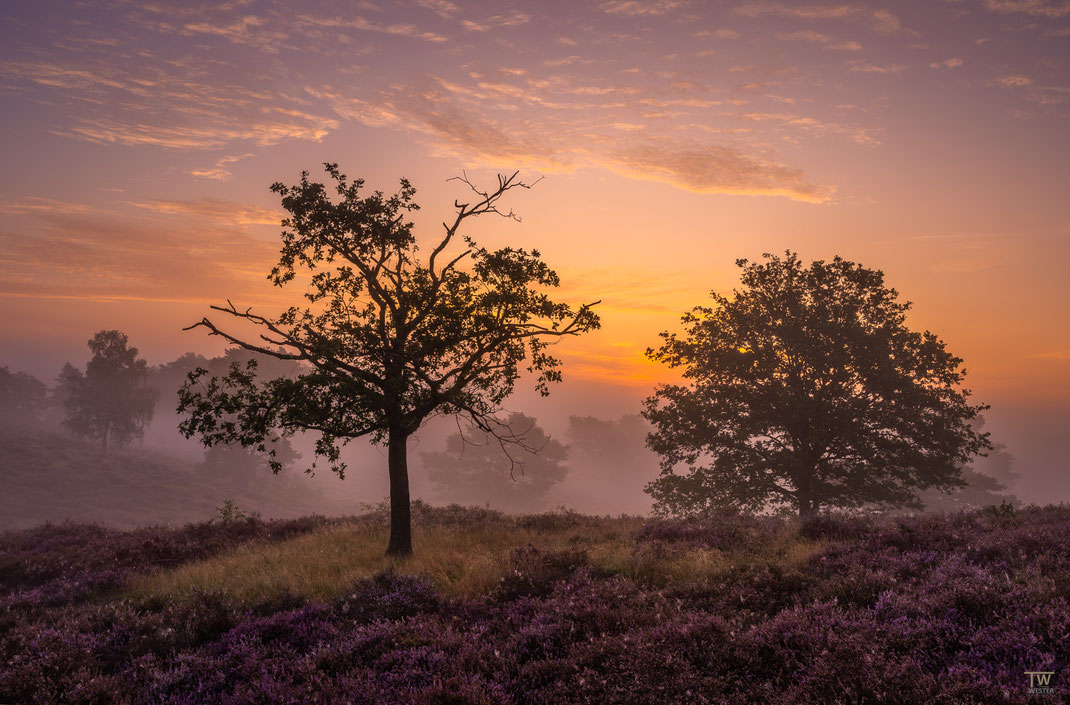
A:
x: 386, y: 339
x: 478, y: 468
x: 110, y: 402
x: 807, y: 390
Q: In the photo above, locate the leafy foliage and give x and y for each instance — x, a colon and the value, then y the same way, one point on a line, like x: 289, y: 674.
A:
x: 111, y: 401
x: 806, y: 389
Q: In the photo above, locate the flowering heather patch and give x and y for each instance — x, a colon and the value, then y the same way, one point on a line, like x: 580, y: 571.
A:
x: 60, y: 564
x: 720, y: 531
x: 941, y: 609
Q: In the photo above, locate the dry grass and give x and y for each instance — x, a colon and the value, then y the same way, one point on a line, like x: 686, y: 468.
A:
x: 459, y: 560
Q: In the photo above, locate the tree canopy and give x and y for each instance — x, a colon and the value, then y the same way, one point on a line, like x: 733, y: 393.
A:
x: 111, y: 401
x: 386, y: 339
x: 806, y: 390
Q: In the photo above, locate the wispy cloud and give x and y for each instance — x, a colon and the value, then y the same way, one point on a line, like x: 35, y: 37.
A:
x: 249, y: 30
x: 1014, y: 81
x: 401, y: 29
x: 226, y: 212
x: 443, y: 8
x: 638, y: 8
x: 952, y: 63
x: 824, y: 40
x: 717, y: 169
x: 87, y: 255
x: 862, y: 66
x: 1037, y: 8
x: 264, y: 133
x: 220, y: 172
x: 560, y: 130
x: 813, y: 126
x: 39, y: 205
x: 721, y: 33
x: 486, y: 24
x: 1060, y: 355
x: 557, y: 112
x: 170, y: 106
x: 879, y: 20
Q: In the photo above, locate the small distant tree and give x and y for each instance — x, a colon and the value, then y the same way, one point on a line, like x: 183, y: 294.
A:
x: 807, y: 390
x: 110, y: 402
x: 988, y: 482
x: 479, y: 468
x: 389, y: 340
x: 610, y: 464
x: 243, y: 465
x: 23, y: 398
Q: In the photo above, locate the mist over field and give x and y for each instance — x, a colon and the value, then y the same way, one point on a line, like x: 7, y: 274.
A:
x: 597, y: 465
x: 50, y: 475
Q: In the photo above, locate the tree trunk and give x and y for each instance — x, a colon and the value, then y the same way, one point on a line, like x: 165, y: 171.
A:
x: 807, y: 507
x: 400, y: 516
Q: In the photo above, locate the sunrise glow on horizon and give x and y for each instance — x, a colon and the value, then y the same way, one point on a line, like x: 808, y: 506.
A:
x: 925, y: 139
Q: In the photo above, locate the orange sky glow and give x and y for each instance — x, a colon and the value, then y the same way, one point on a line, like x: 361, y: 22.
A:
x: 928, y: 139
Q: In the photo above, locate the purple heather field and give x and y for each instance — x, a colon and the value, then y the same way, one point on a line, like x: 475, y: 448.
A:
x: 952, y: 608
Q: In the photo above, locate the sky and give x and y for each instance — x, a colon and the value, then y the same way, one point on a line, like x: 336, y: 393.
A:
x: 927, y: 139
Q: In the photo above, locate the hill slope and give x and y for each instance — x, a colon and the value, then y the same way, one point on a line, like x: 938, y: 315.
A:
x: 49, y: 477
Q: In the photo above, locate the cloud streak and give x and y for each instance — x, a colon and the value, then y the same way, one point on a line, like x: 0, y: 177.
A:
x: 879, y: 20
x: 461, y: 121
x: 214, y: 209
x: 1036, y: 8
x: 677, y: 92
x: 716, y: 169
x: 98, y: 255
x: 641, y: 8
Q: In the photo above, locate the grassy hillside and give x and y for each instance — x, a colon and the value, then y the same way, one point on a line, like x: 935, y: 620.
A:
x: 50, y: 477
x: 553, y: 608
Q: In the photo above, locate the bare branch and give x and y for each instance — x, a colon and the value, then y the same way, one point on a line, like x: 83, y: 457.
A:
x: 486, y: 204
x: 305, y: 352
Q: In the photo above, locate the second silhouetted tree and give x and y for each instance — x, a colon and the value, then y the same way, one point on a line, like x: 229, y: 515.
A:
x: 806, y: 390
